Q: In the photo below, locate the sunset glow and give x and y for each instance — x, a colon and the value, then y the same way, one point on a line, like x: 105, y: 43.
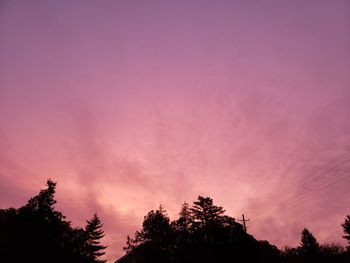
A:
x: 133, y: 104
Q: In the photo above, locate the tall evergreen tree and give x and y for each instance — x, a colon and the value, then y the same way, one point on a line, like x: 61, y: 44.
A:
x: 308, y: 244
x: 204, y: 212
x: 183, y: 223
x: 346, y: 229
x: 94, y: 234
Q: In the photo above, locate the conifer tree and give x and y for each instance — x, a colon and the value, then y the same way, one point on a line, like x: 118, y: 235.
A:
x: 183, y: 223
x: 346, y: 229
x: 308, y: 243
x: 94, y: 234
x: 204, y: 212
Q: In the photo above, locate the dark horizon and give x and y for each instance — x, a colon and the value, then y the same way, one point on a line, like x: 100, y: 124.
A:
x: 38, y: 232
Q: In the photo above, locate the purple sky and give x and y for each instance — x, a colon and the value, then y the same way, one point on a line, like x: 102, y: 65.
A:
x: 130, y: 104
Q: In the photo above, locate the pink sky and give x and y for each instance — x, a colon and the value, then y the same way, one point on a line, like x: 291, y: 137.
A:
x: 132, y: 104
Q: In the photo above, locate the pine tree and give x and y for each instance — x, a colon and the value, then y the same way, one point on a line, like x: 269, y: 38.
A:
x: 346, y: 229
x: 182, y: 234
x: 94, y: 234
x: 204, y: 212
x: 308, y: 244
x: 184, y: 222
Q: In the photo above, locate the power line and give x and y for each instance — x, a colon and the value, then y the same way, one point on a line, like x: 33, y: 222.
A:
x: 313, y: 178
x: 295, y: 200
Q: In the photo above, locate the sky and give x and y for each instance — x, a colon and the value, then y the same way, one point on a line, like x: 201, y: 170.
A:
x: 133, y: 104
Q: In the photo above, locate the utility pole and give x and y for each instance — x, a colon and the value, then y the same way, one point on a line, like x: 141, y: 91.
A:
x: 244, y: 221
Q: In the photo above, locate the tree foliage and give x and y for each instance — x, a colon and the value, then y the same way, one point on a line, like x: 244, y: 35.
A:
x: 94, y: 234
x: 37, y: 232
x: 346, y: 229
x: 183, y: 223
x: 204, y: 233
x: 205, y: 213
x: 154, y: 240
x: 308, y: 243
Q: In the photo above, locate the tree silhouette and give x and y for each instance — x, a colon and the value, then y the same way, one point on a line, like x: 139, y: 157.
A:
x: 94, y: 234
x: 268, y: 252
x: 331, y: 253
x: 216, y: 235
x: 43, y: 203
x: 44, y: 234
x: 308, y: 243
x: 155, y: 228
x: 37, y: 232
x: 183, y: 224
x: 309, y: 246
x: 154, y: 241
x: 202, y: 233
x: 205, y: 213
x: 183, y: 234
x: 346, y: 229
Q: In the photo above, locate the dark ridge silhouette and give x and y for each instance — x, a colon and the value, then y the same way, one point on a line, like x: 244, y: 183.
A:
x: 203, y: 233
x: 36, y: 232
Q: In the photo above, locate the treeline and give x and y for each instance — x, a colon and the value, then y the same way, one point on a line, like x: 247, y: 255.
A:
x: 36, y: 232
x: 203, y: 233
